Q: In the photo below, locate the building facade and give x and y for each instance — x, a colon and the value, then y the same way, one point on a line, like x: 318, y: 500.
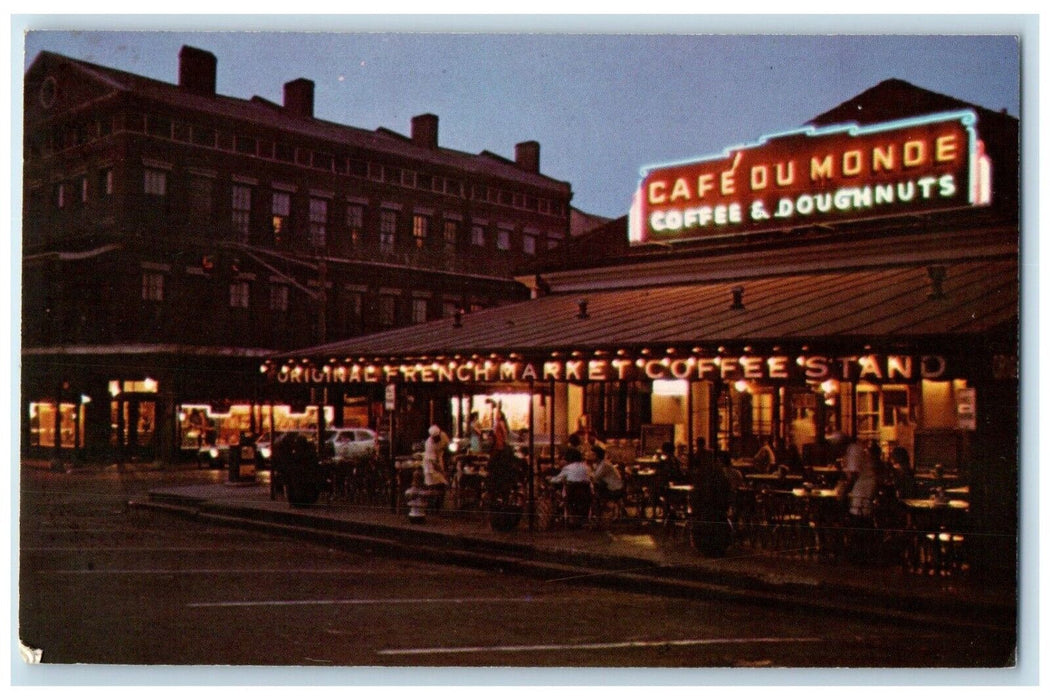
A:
x: 878, y: 300
x: 172, y: 236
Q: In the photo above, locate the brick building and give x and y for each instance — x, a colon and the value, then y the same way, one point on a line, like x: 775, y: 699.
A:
x: 172, y: 236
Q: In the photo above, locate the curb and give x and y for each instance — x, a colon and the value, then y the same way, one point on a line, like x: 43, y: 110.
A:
x: 623, y: 573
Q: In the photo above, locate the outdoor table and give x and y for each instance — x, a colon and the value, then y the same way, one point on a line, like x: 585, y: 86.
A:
x: 825, y: 509
x: 826, y: 475
x: 937, y: 534
x: 772, y: 479
x: 676, y: 510
x: 641, y: 491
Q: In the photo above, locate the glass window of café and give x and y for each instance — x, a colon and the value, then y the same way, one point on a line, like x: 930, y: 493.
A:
x: 133, y: 412
x: 67, y: 424
x: 207, y: 424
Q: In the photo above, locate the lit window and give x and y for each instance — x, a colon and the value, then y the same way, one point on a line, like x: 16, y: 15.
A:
x: 355, y: 222
x: 155, y: 182
x: 83, y: 189
x: 61, y: 195
x: 528, y: 243
x: 503, y: 239
x: 318, y: 222
x: 152, y: 286
x: 242, y: 209
x: 281, y: 210
x: 451, y: 234
x: 240, y: 295
x: 420, y: 229
x: 387, y: 230
x: 477, y: 235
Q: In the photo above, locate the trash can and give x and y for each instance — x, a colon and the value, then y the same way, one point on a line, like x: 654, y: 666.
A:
x: 246, y: 451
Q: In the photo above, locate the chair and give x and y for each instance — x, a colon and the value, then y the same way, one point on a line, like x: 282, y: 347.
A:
x: 577, y: 502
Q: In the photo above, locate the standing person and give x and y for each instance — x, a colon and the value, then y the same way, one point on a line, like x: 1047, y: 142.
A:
x: 862, y: 482
x: 474, y: 433
x: 903, y: 473
x: 712, y: 497
x: 434, y: 449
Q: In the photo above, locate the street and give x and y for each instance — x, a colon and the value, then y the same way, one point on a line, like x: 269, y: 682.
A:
x: 101, y: 583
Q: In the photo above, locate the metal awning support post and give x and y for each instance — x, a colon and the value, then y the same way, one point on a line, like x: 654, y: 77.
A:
x: 689, y: 419
x: 532, y: 458
x: 553, y: 410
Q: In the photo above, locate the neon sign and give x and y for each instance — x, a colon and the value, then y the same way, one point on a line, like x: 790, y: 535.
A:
x: 816, y: 176
x: 772, y: 368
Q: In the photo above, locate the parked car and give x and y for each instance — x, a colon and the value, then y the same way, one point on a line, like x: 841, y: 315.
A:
x: 352, y: 444
x: 213, y: 456
x: 264, y: 446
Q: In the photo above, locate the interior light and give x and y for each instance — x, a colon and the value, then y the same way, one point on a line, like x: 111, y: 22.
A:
x: 670, y: 387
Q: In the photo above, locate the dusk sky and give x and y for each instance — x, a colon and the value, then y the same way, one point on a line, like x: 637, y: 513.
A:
x: 601, y: 105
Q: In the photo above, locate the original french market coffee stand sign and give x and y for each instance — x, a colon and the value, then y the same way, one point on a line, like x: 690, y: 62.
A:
x: 816, y: 176
x: 764, y: 368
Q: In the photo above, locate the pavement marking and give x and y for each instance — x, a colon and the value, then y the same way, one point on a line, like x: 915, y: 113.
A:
x: 598, y: 645
x: 364, y: 601
x: 167, y: 572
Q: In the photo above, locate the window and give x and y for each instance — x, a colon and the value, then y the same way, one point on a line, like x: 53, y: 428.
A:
x: 477, y: 235
x: 245, y: 145
x: 451, y: 234
x: 155, y: 182
x: 503, y: 239
x: 240, y: 295
x: 387, y: 307
x: 387, y: 230
x: 448, y: 309
x: 869, y: 410
x: 420, y: 229
x: 105, y: 182
x: 82, y: 186
x: 242, y: 210
x: 555, y: 239
x: 158, y: 126
x: 200, y: 198
x: 318, y: 222
x: 419, y: 310
x: 355, y: 305
x: 278, y: 297
x: 61, y: 195
x: 355, y: 222
x: 203, y: 136
x: 281, y: 210
x: 528, y: 243
x: 152, y: 286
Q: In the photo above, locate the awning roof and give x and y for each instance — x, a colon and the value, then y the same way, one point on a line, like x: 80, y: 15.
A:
x: 866, y: 305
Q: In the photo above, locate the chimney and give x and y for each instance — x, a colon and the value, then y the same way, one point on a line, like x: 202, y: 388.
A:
x: 527, y: 156
x: 937, y: 275
x: 299, y: 97
x: 738, y: 298
x: 425, y: 130
x: 197, y: 70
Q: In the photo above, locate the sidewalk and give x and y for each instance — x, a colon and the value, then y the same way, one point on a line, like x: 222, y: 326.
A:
x: 634, y: 556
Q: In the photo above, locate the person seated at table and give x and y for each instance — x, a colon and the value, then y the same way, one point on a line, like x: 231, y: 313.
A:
x: 575, y: 478
x: 903, y: 473
x: 765, y: 460
x: 669, y: 469
x: 789, y: 456
x: 608, y: 484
